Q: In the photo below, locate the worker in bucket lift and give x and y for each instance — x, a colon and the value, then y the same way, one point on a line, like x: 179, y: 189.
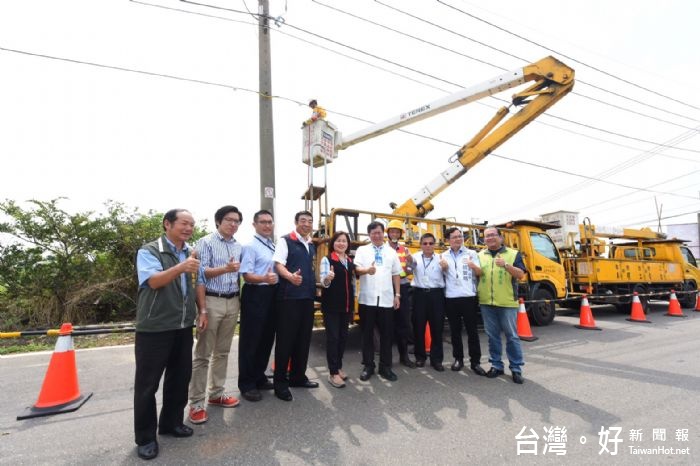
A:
x: 318, y: 113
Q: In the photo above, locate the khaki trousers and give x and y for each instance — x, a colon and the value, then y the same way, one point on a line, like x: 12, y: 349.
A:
x: 212, y: 349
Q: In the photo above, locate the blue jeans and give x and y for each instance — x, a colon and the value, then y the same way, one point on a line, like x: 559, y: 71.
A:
x: 499, y: 320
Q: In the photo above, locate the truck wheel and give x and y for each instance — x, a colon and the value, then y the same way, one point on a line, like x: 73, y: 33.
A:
x: 541, y: 314
x: 687, y: 300
x: 626, y: 307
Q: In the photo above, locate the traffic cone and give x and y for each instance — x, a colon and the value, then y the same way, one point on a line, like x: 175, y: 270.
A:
x: 60, y: 392
x: 289, y: 365
x: 586, y: 321
x: 428, y: 339
x: 697, y: 303
x: 674, y: 307
x: 524, y: 331
x: 637, y: 314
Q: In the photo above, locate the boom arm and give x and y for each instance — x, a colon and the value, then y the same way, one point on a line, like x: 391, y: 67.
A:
x: 553, y: 80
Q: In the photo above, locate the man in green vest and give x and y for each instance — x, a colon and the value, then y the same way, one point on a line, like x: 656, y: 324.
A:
x: 167, y: 270
x: 501, y: 268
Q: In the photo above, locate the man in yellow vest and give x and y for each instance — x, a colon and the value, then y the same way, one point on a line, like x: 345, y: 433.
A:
x: 501, y: 268
x: 402, y: 319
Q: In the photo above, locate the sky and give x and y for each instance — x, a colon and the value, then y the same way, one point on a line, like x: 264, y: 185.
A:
x: 154, y: 104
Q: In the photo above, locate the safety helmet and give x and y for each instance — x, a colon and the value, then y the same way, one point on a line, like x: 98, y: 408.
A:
x: 398, y: 224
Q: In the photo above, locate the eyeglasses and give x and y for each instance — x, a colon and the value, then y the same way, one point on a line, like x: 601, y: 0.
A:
x: 235, y: 221
x: 428, y: 244
x: 491, y: 235
x: 456, y: 237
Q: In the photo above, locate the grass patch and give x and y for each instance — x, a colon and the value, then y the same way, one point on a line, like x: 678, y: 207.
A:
x: 46, y: 343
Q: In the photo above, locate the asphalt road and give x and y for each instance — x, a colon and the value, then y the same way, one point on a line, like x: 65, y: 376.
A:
x: 636, y: 377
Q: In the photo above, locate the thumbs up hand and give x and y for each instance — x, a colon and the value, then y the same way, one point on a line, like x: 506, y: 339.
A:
x: 499, y: 261
x: 443, y: 263
x: 296, y: 278
x: 191, y: 264
x: 271, y: 277
x: 233, y: 265
x: 372, y: 269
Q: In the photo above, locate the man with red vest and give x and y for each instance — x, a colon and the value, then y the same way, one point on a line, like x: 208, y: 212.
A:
x: 402, y: 319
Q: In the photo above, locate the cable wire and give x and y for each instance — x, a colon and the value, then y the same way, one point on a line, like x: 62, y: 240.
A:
x: 456, y: 52
x: 578, y: 80
x: 626, y: 81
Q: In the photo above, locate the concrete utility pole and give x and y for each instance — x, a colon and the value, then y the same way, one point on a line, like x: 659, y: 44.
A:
x: 267, y: 142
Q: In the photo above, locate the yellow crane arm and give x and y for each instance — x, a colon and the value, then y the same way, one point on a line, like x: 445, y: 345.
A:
x: 552, y: 81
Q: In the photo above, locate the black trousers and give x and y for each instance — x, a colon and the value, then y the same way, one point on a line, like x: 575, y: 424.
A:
x: 402, y: 321
x: 158, y: 352
x: 465, y: 310
x: 295, y: 321
x: 383, y: 318
x: 336, y: 324
x: 428, y: 306
x: 257, y: 335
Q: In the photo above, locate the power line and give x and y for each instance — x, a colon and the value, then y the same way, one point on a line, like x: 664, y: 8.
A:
x: 456, y: 52
x: 663, y: 218
x: 668, y: 180
x: 394, y: 63
x: 277, y: 31
x: 626, y: 81
x: 590, y: 178
x: 578, y: 80
x: 198, y: 81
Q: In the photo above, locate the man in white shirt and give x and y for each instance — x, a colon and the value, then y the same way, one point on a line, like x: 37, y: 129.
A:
x: 461, y: 305
x: 379, y: 270
x: 428, y: 301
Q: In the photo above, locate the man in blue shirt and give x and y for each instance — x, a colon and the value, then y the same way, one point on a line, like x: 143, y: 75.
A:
x: 165, y: 315
x: 257, y: 332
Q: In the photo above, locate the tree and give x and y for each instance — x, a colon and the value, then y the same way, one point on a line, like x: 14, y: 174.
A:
x: 61, y: 267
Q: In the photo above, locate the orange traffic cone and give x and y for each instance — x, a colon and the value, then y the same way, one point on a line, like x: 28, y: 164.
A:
x: 60, y: 392
x: 586, y: 321
x: 524, y: 331
x: 697, y: 303
x: 674, y: 307
x: 428, y: 339
x: 637, y: 314
x: 289, y: 365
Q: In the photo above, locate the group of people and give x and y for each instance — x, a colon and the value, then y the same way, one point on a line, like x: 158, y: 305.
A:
x: 181, y: 287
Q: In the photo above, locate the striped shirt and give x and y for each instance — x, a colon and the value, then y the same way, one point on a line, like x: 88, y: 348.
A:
x: 216, y: 251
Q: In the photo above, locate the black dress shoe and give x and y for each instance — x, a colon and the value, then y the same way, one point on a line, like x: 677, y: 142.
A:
x: 305, y: 384
x: 252, y: 395
x: 457, y: 365
x: 493, y: 373
x: 406, y: 361
x: 284, y: 394
x: 518, y: 378
x: 178, y: 431
x: 478, y: 370
x: 148, y: 451
x: 438, y: 367
x: 267, y: 385
x: 366, y: 373
x: 420, y: 362
x: 388, y: 374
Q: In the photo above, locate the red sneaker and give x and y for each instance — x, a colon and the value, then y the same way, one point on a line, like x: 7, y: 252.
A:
x: 198, y: 415
x: 225, y: 401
